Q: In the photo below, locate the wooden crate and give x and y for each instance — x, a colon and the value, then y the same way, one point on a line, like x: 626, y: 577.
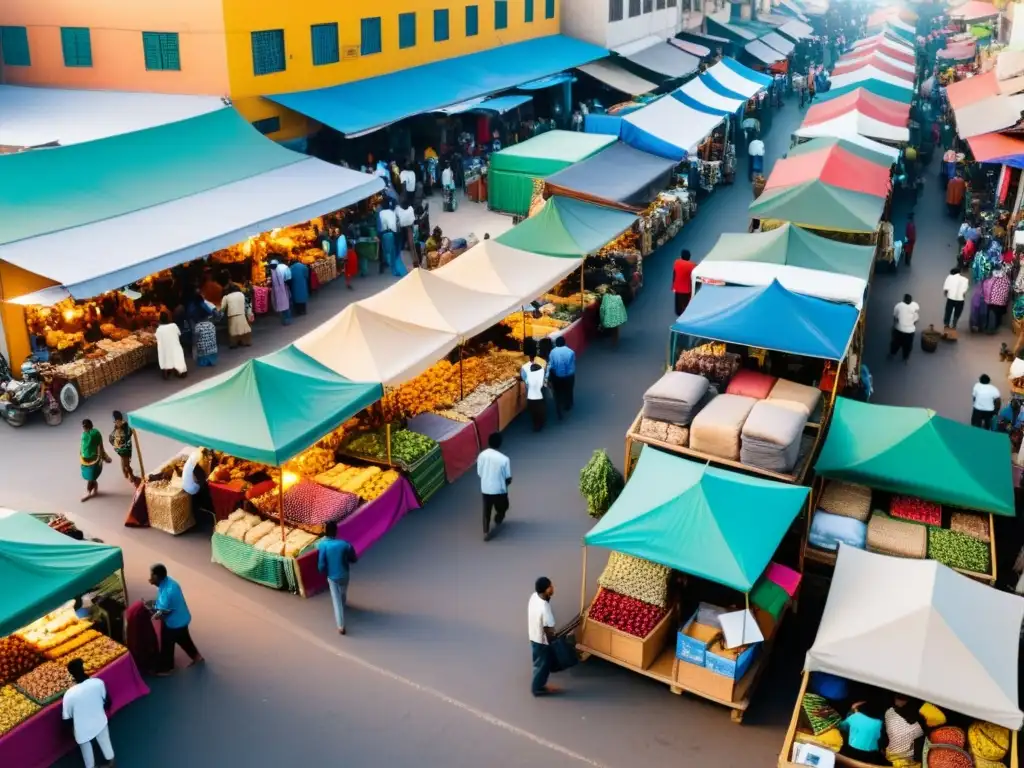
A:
x: 632, y: 651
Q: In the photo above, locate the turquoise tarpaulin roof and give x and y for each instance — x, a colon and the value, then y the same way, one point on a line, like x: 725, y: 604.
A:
x: 267, y: 410
x: 40, y: 569
x: 569, y: 228
x: 375, y: 102
x: 770, y: 317
x: 699, y: 519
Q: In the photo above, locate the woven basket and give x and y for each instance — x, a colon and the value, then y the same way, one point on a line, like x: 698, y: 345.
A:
x: 895, y: 537
x: 971, y: 524
x: 846, y: 499
x: 170, y: 508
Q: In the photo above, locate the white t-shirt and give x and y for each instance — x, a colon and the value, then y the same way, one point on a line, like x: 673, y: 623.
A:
x: 540, y: 615
x: 408, y: 179
x: 447, y: 178
x: 83, y: 704
x: 406, y: 217
x: 535, y: 384
x: 985, y: 396
x: 906, y: 316
x: 756, y: 148
x: 956, y: 287
x: 388, y: 221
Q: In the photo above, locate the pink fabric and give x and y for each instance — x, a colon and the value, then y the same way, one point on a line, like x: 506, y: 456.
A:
x: 44, y: 738
x: 785, y: 577
x: 575, y: 335
x: 751, y: 384
x: 486, y: 423
x: 260, y: 300
x: 362, y: 529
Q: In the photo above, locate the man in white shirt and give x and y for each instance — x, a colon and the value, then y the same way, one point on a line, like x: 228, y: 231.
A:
x: 905, y: 316
x: 388, y: 233
x: 408, y: 179
x: 406, y: 221
x: 85, y: 706
x: 535, y: 403
x: 755, y: 157
x: 542, y: 630
x: 495, y: 472
x: 986, y: 400
x: 955, y: 288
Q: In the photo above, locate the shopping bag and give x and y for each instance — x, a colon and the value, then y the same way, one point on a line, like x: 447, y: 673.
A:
x: 563, y: 653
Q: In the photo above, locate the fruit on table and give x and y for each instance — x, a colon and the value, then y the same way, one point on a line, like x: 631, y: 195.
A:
x: 988, y: 741
x: 14, y: 708
x: 916, y: 510
x: 626, y: 614
x: 406, y: 446
x: 70, y: 645
x: 46, y: 681
x: 96, y: 654
x: 16, y: 658
x: 55, y: 632
x: 377, y: 485
x: 637, y: 578
x: 958, y: 550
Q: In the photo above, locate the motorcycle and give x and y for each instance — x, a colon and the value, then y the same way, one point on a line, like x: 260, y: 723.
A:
x: 20, y: 399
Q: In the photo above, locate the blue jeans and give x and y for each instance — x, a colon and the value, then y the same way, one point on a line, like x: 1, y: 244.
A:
x: 541, y: 667
x: 339, y: 598
x: 387, y: 243
x: 286, y: 316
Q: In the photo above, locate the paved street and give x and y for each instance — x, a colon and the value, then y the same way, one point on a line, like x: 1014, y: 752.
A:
x: 435, y: 670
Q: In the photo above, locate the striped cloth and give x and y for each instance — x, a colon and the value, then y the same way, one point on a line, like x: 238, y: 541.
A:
x: 253, y: 564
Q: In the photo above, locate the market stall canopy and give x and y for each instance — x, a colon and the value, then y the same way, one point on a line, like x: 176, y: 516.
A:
x: 877, y: 87
x: 863, y: 101
x: 779, y: 43
x: 96, y: 216
x: 763, y: 52
x: 879, y: 154
x: 797, y: 30
x: 921, y: 629
x: 1009, y: 63
x: 997, y: 148
x: 619, y: 173
x: 962, y: 52
x: 698, y: 519
x: 492, y: 267
x: 890, y: 52
x: 876, y: 61
x: 665, y: 59
x: 972, y: 89
x: 831, y: 167
x: 770, y: 317
x: 42, y: 569
x: 884, y: 40
x: 568, y: 228
x: 916, y: 452
x: 365, y: 105
x: 871, y: 72
x: 362, y: 345
x: 853, y: 124
x: 614, y: 76
x: 698, y: 93
x: 992, y: 114
x: 33, y: 117
x: 267, y: 410
x: 700, y: 51
x: 735, y: 79
x: 668, y: 128
x: 498, y: 104
x: 973, y: 11
x: 801, y: 261
x: 821, y: 206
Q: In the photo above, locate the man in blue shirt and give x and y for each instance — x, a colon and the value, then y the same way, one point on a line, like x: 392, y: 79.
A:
x: 495, y: 471
x: 172, y: 611
x: 561, y: 375
x: 334, y: 556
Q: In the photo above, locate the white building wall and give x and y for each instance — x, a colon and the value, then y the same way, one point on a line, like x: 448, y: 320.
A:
x: 588, y: 20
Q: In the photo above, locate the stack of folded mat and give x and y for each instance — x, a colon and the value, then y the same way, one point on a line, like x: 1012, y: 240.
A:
x: 716, y: 429
x: 771, y: 436
x: 677, y: 397
x: 789, y: 394
x: 841, y: 517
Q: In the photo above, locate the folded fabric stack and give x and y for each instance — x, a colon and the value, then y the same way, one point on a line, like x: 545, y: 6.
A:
x: 771, y: 437
x: 828, y: 531
x: 716, y: 429
x: 789, y: 394
x: 676, y: 397
x: 751, y: 384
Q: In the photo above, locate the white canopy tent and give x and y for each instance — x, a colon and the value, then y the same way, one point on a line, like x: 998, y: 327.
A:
x: 995, y: 113
x: 797, y: 30
x: 670, y: 121
x: 854, y: 123
x: 843, y: 289
x: 919, y: 628
x: 874, y: 146
x: 492, y: 267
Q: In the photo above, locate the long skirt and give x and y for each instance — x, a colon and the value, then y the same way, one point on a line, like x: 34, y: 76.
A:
x: 205, y: 338
x: 91, y: 472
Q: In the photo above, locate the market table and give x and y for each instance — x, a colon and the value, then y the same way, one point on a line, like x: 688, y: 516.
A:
x: 362, y: 530
x: 575, y: 335
x: 458, y: 441
x: 486, y: 423
x: 45, y: 738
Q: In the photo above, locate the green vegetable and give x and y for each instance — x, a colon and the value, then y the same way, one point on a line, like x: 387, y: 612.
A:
x: 600, y: 484
x: 958, y: 550
x: 406, y: 447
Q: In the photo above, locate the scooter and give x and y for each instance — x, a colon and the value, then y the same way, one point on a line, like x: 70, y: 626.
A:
x: 19, y: 399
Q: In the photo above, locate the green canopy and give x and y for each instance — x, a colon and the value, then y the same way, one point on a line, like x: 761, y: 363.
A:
x: 698, y: 519
x: 820, y: 205
x: 825, y: 142
x: 915, y: 451
x: 794, y: 247
x: 512, y: 170
x: 877, y: 87
x: 568, y: 227
x: 267, y: 410
x: 40, y: 568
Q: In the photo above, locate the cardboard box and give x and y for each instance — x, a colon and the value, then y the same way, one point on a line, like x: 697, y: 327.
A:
x: 703, y: 681
x: 628, y: 649
x: 693, y: 639
x: 729, y: 663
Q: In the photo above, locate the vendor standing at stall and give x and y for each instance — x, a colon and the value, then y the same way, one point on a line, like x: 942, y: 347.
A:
x: 280, y: 276
x: 682, y: 282
x: 299, y: 286
x: 388, y: 227
x: 234, y: 307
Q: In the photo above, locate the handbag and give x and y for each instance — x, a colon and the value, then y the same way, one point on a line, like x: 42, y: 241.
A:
x: 563, y: 653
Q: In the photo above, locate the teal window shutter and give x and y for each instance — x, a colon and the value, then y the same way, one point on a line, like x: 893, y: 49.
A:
x: 370, y: 41
x: 161, y: 51
x: 472, y: 20
x: 14, y: 46
x: 549, y: 9
x: 501, y: 14
x: 77, y: 46
x: 406, y: 30
x: 440, y: 25
x: 528, y: 16
x: 268, y: 51
x: 325, y: 44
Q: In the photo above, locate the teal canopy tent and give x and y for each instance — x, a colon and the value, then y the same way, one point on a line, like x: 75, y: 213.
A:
x: 568, y: 228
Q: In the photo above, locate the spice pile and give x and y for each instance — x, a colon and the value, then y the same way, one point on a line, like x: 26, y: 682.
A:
x: 15, y: 708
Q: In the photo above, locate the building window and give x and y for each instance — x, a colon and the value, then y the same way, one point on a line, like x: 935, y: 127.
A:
x: 14, y: 46
x: 634, y: 8
x: 648, y: 6
x: 501, y: 14
x: 268, y: 51
x: 370, y: 41
x: 660, y: 5
x: 406, y: 30
x: 267, y: 125
x: 528, y: 12
x: 160, y: 50
x: 549, y: 9
x: 671, y: 3
x: 77, y: 46
x: 440, y: 25
x: 615, y: 10
x: 324, y: 38
x: 472, y: 20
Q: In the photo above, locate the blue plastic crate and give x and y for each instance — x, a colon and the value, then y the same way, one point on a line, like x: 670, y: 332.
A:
x: 725, y: 666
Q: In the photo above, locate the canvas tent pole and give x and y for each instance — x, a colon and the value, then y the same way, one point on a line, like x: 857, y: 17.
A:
x: 142, y: 467
x: 387, y: 432
x: 280, y: 503
x: 462, y: 394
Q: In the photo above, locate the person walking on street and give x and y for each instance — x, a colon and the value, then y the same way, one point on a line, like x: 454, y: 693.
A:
x: 561, y: 375
x: 172, y: 611
x: 85, y: 705
x: 955, y: 191
x: 236, y: 309
x: 682, y: 281
x: 92, y: 457
x: 300, y: 285
x: 755, y: 158
x: 121, y: 441
x: 495, y: 472
x: 986, y: 401
x: 280, y: 277
x: 905, y: 316
x: 542, y: 632
x: 910, y: 238
x: 535, y: 403
x: 334, y: 556
x: 955, y: 288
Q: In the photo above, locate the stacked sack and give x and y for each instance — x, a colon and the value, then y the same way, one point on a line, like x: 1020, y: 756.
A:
x: 677, y: 397
x: 841, y: 516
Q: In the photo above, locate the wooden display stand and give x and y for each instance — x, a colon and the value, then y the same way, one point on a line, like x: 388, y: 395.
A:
x: 849, y: 762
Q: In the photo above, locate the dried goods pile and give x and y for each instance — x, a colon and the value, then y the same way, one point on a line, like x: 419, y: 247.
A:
x: 636, y: 578
x: 366, y: 482
x: 16, y: 658
x: 916, y: 510
x: 407, y: 447
x: 535, y: 327
x: 45, y: 683
x: 480, y: 399
x: 958, y: 550
x: 627, y: 614
x: 15, y: 708
x: 96, y: 654
x: 71, y: 645
x: 54, y: 629
x: 265, y: 535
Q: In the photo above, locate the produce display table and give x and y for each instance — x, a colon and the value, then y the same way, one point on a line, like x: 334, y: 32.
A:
x: 362, y: 529
x: 510, y: 404
x: 486, y: 424
x: 575, y: 335
x: 458, y: 441
x: 45, y: 738
x: 226, y: 497
x: 274, y: 571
